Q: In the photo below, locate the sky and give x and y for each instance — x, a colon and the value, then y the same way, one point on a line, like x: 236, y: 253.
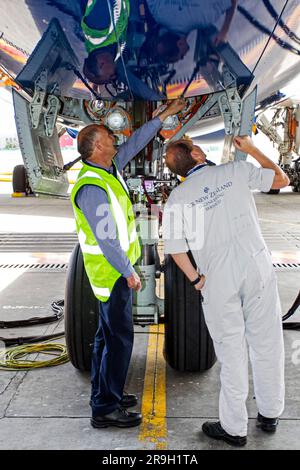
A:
x: 7, y: 121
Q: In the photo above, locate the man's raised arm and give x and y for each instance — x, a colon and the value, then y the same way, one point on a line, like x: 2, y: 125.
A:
x: 246, y: 145
x: 142, y: 136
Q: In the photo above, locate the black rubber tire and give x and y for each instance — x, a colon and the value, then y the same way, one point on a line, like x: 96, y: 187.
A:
x: 188, y: 345
x: 81, y: 313
x: 19, y: 179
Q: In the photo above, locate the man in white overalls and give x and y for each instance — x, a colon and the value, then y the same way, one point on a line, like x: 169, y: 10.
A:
x: 241, y: 304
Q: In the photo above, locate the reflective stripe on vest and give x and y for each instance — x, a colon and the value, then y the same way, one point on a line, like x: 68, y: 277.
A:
x: 133, y: 236
x: 102, y: 291
x: 90, y: 174
x: 85, y: 248
x: 120, y: 220
x: 120, y: 177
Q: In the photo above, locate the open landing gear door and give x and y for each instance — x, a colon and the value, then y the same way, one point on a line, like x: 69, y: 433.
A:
x: 47, y: 77
x: 41, y: 153
x: 51, y: 65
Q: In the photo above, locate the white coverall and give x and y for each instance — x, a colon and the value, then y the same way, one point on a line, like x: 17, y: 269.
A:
x: 241, y: 303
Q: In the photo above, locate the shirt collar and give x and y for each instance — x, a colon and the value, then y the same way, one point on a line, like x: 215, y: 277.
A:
x: 109, y: 170
x: 196, y: 168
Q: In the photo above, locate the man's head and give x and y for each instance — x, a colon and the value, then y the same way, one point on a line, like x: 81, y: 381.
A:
x: 182, y: 156
x: 96, y: 143
x: 172, y: 47
x: 99, y: 67
x: 164, y: 46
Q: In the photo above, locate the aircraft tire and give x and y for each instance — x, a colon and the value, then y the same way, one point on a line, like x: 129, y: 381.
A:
x: 188, y: 345
x: 81, y: 313
x: 19, y: 179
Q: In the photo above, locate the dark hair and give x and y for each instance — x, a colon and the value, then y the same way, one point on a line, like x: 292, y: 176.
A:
x: 90, y: 67
x: 86, y: 139
x: 182, y: 161
x: 171, y: 51
x: 157, y: 36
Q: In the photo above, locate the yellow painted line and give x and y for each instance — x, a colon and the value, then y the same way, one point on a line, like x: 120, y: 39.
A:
x: 5, y: 180
x: 18, y: 195
x: 154, y: 426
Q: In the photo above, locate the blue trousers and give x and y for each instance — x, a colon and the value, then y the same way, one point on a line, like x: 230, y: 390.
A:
x: 112, y: 349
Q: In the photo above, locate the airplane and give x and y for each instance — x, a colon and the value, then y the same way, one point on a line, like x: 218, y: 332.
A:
x: 74, y: 62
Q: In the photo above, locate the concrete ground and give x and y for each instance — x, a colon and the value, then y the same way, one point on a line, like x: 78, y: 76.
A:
x: 48, y: 408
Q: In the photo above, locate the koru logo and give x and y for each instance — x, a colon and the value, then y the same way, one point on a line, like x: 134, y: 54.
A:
x: 206, y: 189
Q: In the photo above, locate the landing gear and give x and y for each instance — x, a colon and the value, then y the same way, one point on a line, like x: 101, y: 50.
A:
x: 188, y: 345
x: 295, y: 176
x: 284, y: 131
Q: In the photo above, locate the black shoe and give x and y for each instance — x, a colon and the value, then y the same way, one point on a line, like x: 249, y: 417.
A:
x: 127, y: 401
x: 120, y: 418
x: 266, y: 424
x: 215, y: 431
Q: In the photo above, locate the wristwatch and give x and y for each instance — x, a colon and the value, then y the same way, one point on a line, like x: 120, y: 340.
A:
x: 193, y: 283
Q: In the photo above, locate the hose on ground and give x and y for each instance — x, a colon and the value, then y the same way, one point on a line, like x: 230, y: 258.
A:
x: 20, y: 340
x: 13, y: 358
x: 58, y: 308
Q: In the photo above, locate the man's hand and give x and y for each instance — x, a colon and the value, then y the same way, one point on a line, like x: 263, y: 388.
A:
x: 134, y: 282
x: 244, y: 143
x: 220, y: 38
x: 201, y: 283
x: 173, y: 108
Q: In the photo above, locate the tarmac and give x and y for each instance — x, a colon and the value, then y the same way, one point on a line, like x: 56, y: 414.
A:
x: 48, y: 408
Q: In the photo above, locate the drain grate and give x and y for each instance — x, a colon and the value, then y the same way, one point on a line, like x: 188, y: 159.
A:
x: 62, y: 267
x: 287, y: 266
x: 281, y: 240
x: 37, y: 242
x: 38, y: 267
